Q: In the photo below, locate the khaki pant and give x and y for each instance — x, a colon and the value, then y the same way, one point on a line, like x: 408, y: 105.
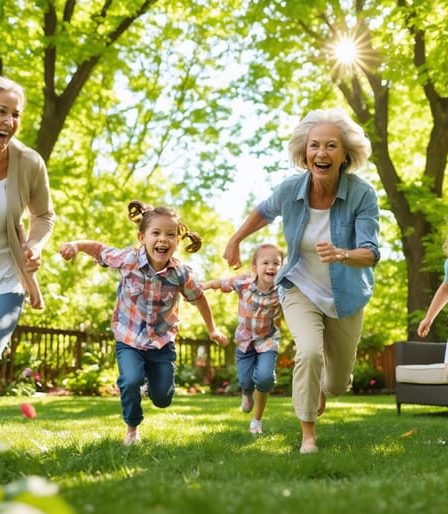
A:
x: 325, y: 351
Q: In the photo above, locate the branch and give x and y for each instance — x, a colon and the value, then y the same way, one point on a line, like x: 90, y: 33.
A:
x: 69, y: 8
x: 50, y: 24
x: 437, y: 149
x: 420, y: 56
x: 57, y: 107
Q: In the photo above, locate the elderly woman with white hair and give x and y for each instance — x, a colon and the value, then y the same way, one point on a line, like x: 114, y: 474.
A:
x: 24, y: 186
x: 331, y: 226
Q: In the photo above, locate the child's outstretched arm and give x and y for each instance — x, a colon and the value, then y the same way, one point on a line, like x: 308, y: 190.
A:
x: 440, y: 299
x: 217, y: 283
x: 69, y: 249
x: 204, y: 309
x: 211, y: 284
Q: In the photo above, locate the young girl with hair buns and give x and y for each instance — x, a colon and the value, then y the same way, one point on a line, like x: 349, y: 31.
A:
x: 145, y: 319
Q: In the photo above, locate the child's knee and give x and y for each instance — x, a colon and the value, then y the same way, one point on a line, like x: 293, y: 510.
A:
x: 161, y: 399
x: 162, y: 403
x: 265, y: 384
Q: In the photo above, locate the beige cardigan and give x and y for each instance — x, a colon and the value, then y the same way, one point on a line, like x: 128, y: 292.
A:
x: 28, y: 189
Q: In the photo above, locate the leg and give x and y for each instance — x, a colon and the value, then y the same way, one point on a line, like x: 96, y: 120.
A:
x: 341, y: 338
x: 10, y: 310
x: 264, y: 379
x: 260, y: 401
x: 131, y: 367
x: 306, y: 323
x: 322, y: 402
x: 245, y: 365
x: 159, y: 371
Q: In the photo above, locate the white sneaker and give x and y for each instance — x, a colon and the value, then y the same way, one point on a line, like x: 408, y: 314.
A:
x: 255, y: 426
x: 247, y: 402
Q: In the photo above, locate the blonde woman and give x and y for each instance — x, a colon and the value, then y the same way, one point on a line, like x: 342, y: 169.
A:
x: 24, y: 186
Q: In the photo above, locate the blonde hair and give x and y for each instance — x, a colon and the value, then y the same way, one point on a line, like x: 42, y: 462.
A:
x: 262, y: 247
x: 9, y: 85
x: 354, y: 141
x: 141, y: 214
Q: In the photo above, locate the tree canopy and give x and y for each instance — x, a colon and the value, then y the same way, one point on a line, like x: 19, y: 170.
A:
x: 299, y: 61
x: 146, y: 99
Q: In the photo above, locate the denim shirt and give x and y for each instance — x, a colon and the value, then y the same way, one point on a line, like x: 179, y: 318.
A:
x: 354, y: 223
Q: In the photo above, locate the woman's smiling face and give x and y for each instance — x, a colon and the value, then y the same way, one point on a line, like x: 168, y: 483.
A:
x: 325, y: 151
x: 10, y: 110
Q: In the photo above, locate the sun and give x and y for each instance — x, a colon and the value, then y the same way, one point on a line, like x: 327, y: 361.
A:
x: 346, y: 51
x: 350, y: 52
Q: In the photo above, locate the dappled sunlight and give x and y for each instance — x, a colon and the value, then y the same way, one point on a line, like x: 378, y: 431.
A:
x: 269, y: 445
x: 201, y: 448
x: 387, y: 449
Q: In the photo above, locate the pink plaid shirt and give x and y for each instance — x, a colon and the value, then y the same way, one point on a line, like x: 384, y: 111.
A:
x: 258, y: 312
x: 146, y: 313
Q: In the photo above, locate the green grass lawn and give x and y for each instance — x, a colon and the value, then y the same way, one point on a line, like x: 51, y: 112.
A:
x: 197, y: 457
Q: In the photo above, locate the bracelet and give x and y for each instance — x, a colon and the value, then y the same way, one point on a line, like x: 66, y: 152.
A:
x: 345, y: 258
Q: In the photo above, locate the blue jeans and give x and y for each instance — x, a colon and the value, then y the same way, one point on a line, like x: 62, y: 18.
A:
x: 256, y: 370
x: 156, y: 366
x: 10, y: 309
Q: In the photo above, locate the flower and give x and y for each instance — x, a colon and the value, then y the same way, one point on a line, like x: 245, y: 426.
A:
x: 27, y: 373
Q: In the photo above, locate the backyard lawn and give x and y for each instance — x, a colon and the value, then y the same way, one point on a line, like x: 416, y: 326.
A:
x: 198, y: 457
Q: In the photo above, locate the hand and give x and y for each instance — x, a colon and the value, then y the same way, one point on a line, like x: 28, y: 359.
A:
x: 219, y: 338
x: 232, y: 254
x: 68, y: 250
x: 32, y: 261
x: 329, y: 253
x: 423, y: 328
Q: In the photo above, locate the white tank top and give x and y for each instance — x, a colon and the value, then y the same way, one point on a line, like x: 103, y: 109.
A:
x: 310, y: 275
x: 9, y: 276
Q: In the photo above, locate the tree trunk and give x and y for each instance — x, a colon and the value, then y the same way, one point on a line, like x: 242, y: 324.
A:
x: 421, y: 284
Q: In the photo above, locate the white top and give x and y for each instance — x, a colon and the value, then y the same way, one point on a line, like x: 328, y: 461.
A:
x: 9, y: 277
x: 310, y: 275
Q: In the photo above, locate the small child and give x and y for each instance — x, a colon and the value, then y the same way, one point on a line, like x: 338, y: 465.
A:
x: 438, y: 302
x: 257, y: 335
x: 145, y: 319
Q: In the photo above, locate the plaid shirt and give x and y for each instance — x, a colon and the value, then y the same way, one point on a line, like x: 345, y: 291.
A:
x: 258, y: 312
x: 146, y: 314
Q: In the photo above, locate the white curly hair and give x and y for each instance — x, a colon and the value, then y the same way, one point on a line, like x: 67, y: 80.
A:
x: 354, y: 140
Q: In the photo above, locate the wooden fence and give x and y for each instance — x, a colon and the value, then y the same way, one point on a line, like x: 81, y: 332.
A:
x: 54, y: 353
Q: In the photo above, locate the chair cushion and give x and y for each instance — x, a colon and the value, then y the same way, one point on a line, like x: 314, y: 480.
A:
x: 421, y: 373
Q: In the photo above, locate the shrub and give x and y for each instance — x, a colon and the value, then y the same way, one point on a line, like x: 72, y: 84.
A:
x: 91, y: 380
x: 25, y: 384
x: 366, y: 379
x: 225, y: 381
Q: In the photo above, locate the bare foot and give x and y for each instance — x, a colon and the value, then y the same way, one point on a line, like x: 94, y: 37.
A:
x: 132, y: 436
x: 308, y: 437
x: 322, y: 403
x: 308, y: 446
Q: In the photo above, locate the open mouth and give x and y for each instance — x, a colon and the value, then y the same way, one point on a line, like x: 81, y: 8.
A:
x: 162, y: 250
x: 3, y: 135
x: 322, y: 165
